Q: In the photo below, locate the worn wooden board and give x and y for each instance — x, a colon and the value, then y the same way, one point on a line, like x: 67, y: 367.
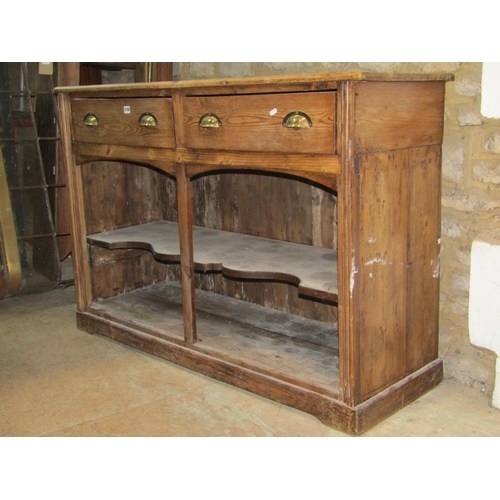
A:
x: 379, y: 286
x: 316, y: 81
x: 121, y: 194
x: 288, y: 346
x: 423, y: 256
x: 395, y: 278
x: 313, y: 269
x: 120, y: 271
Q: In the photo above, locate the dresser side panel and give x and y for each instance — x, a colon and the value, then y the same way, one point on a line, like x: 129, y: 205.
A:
x: 397, y: 115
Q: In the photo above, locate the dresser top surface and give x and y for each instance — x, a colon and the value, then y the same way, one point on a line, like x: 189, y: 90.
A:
x: 321, y: 81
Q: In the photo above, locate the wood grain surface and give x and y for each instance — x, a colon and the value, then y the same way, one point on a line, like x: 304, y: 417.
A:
x: 255, y: 123
x: 119, y: 122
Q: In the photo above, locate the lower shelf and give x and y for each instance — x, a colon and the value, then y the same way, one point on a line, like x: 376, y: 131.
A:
x: 281, y: 345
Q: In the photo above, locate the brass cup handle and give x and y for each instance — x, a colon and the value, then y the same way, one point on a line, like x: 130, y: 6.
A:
x: 148, y: 120
x: 91, y: 120
x: 210, y: 120
x: 297, y: 119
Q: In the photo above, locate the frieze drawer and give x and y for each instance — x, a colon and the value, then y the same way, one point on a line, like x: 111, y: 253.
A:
x: 287, y: 123
x: 132, y: 122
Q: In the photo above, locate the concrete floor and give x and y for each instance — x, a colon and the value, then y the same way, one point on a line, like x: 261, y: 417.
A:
x: 58, y: 381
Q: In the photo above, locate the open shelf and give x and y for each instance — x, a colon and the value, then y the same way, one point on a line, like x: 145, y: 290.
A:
x: 274, y: 343
x: 239, y: 256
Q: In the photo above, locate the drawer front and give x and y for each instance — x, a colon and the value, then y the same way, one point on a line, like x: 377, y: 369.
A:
x: 255, y: 122
x: 118, y: 121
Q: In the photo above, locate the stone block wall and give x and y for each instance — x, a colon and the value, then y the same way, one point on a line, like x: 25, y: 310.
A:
x: 471, y: 189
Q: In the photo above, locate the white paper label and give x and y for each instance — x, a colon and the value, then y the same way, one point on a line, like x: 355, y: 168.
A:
x: 126, y: 110
x: 273, y: 111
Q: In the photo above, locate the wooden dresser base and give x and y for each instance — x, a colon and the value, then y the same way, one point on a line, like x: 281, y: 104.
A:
x: 365, y: 265
x: 330, y: 411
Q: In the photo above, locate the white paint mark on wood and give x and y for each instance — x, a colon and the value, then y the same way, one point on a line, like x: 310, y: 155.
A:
x: 376, y: 260
x: 354, y: 271
x: 437, y: 269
